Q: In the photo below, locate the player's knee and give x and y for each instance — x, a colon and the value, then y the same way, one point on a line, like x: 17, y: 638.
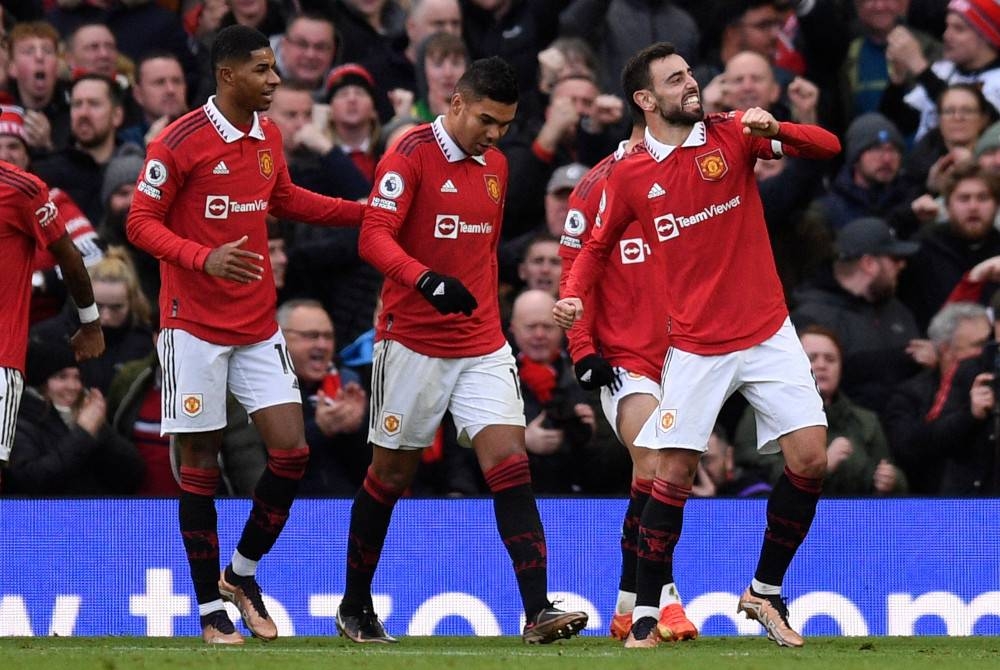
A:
x: 288, y: 463
x: 811, y: 464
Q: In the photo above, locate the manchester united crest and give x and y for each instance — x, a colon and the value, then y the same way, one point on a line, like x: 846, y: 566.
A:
x: 191, y: 404
x: 712, y: 165
x: 391, y: 422
x: 266, y: 162
x: 493, y: 187
x: 668, y: 417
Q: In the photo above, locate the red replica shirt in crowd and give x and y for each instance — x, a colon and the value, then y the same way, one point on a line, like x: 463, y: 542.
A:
x: 207, y: 183
x: 28, y: 221
x: 435, y: 207
x: 78, y: 227
x: 633, y: 276
x: 701, y: 209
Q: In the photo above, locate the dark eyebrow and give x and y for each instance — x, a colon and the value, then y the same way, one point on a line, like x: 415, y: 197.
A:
x: 489, y: 118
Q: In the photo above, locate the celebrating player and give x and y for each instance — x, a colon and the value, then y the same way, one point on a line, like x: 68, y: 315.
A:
x: 692, y: 187
x: 200, y: 204
x: 432, y: 228
x: 623, y: 359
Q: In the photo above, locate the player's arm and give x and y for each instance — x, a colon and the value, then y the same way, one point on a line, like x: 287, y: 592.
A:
x: 289, y: 201
x: 78, y: 226
x: 396, y: 184
x: 88, y: 341
x: 592, y: 370
x: 608, y: 228
x: 794, y: 139
x: 145, y: 227
x: 157, y: 189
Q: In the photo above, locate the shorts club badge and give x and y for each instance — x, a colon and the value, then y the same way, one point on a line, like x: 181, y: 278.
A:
x: 191, y: 404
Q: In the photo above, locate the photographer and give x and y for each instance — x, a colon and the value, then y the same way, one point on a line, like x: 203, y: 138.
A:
x: 971, y: 409
x: 559, y: 421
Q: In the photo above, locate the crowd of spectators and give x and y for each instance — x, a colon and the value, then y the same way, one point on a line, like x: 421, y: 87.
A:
x: 889, y: 256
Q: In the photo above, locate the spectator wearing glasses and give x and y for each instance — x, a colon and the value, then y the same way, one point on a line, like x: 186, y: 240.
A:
x: 305, y: 52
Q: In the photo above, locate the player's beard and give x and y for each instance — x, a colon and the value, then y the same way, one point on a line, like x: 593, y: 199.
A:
x: 681, y: 117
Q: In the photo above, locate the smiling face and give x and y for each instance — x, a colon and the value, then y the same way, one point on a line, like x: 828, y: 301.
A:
x: 253, y: 81
x: 309, y: 337
x: 63, y: 388
x: 675, y: 95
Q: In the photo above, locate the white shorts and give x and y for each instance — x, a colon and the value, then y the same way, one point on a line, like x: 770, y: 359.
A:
x: 774, y: 376
x: 197, y: 374
x: 630, y: 383
x: 411, y: 392
x: 11, y: 387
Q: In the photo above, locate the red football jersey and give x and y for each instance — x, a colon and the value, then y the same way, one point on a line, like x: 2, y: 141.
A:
x: 434, y: 207
x: 633, y: 276
x: 207, y: 183
x: 701, y: 209
x: 28, y: 221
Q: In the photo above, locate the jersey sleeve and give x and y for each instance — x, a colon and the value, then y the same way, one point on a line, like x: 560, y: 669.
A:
x: 42, y: 220
x: 576, y: 232
x: 806, y: 141
x: 290, y: 201
x: 613, y: 216
x: 155, y: 192
x: 397, y: 180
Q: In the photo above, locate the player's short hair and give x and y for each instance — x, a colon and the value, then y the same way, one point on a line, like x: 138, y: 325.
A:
x: 236, y: 43
x: 492, y: 78
x: 114, y: 90
x: 636, y: 75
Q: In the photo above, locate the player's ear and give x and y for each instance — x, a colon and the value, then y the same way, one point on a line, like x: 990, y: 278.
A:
x: 644, y: 99
x: 457, y: 102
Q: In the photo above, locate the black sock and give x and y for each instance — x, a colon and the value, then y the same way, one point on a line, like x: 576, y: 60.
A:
x: 630, y: 532
x: 197, y: 517
x: 520, y: 528
x: 659, y: 530
x: 272, y: 501
x: 370, y: 517
x: 790, y: 511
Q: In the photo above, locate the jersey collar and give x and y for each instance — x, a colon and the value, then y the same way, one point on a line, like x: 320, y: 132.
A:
x: 659, y: 151
x: 452, y: 152
x: 227, y: 131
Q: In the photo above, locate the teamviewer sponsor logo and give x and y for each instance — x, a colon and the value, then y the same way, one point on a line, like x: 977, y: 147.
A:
x: 632, y: 250
x: 220, y: 206
x: 666, y: 227
x: 446, y: 226
x: 217, y: 207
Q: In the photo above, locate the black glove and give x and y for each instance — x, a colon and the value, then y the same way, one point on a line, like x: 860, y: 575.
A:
x: 447, y: 294
x: 593, y: 372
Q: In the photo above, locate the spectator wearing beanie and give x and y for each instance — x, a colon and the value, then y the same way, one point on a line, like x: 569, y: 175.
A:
x: 354, y: 121
x: 64, y: 446
x: 869, y: 183
x: 971, y: 51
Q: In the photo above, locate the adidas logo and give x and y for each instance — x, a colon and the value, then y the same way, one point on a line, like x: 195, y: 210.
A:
x: 439, y: 290
x: 585, y: 377
x: 448, y: 187
x: 656, y: 191
x: 221, y: 168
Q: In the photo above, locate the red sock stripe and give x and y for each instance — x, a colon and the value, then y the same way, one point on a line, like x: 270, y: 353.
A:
x: 379, y: 491
x: 512, y: 471
x: 199, y: 481
x: 668, y: 494
x: 641, y: 487
x: 288, y: 463
x: 804, y: 484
